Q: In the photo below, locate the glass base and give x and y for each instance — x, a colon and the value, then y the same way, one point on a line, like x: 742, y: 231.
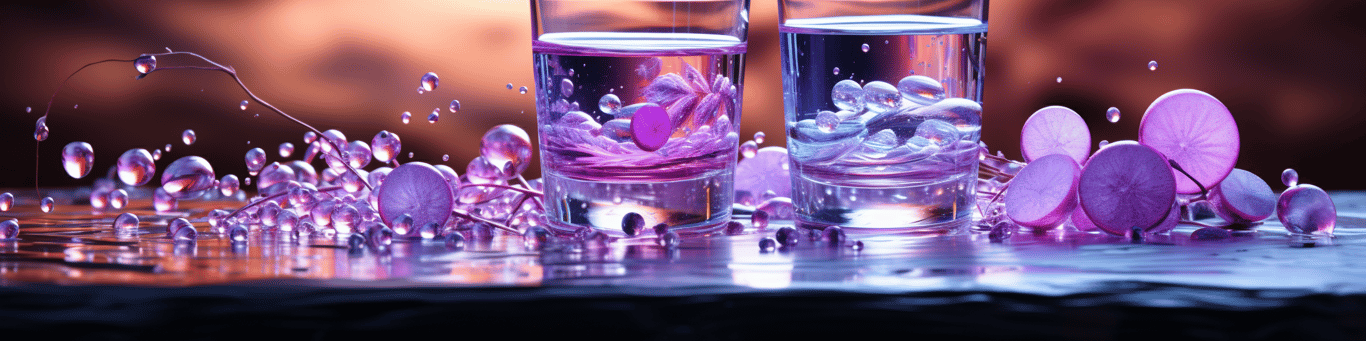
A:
x: 941, y: 207
x: 690, y: 206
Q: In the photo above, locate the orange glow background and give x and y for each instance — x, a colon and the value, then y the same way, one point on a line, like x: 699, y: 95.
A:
x: 1290, y: 71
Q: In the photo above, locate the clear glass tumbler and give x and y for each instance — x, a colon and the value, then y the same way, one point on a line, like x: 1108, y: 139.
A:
x: 883, y: 111
x: 638, y: 104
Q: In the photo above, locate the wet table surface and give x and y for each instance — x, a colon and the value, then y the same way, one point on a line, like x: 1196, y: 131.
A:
x: 69, y: 268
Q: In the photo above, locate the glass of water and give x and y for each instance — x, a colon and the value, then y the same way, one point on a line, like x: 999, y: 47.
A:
x: 883, y: 111
x: 638, y: 107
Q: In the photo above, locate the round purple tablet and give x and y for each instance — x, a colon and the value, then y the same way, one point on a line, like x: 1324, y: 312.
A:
x: 651, y: 128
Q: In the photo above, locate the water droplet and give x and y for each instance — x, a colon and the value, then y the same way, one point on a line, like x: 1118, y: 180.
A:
x: 1289, y: 177
x: 309, y: 137
x: 136, y: 167
x: 522, y: 90
x: 632, y: 223
x: 47, y: 205
x: 1102, y: 144
x: 787, y: 236
x: 509, y: 86
x: 455, y: 106
x: 535, y: 237
x: 865, y: 48
x: 118, y: 199
x: 28, y: 109
x: 256, y: 159
x: 767, y: 245
x: 847, y: 95
x: 187, y: 178
x: 455, y: 241
x: 748, y: 149
x: 937, y: 132
x: 77, y: 158
x: 827, y: 121
x: 286, y: 149
x: 163, y: 202
x: 229, y: 185
x: 238, y: 233
x: 566, y: 87
x: 385, y: 146
x: 1112, y: 115
x: 40, y: 130
x: 9, y: 229
x: 403, y: 224
x: 358, y: 154
x: 435, y: 115
x: 1059, y: 79
x: 429, y: 82
x: 405, y: 117
x: 836, y: 70
x: 508, y: 147
x: 410, y: 155
x: 1306, y: 209
x: 834, y: 235
x: 759, y: 219
x: 242, y: 105
x: 880, y: 97
x: 920, y: 89
x: 1152, y: 65
x: 345, y: 217
x: 6, y: 201
x: 145, y: 63
x: 670, y: 240
x: 187, y: 136
x: 445, y: 157
x: 126, y: 222
x: 759, y: 137
x: 184, y: 232
x: 480, y: 171
x: 609, y: 104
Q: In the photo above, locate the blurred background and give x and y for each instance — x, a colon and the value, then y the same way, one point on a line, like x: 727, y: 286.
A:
x: 1290, y: 71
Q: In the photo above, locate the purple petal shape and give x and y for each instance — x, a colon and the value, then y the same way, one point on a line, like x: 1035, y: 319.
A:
x: 667, y: 89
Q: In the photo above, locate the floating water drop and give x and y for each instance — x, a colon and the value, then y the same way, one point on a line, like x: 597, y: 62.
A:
x: 6, y: 201
x: 126, y: 222
x: 865, y: 48
x: 509, y: 86
x: 28, y: 110
x: 145, y: 63
x: 9, y: 229
x: 847, y: 95
x: 759, y: 219
x: 40, y: 130
x: 836, y: 70
x: 445, y: 157
x: 506, y: 147
x: 748, y: 149
x: 168, y: 147
x: 435, y: 115
x: 455, y: 106
x: 405, y: 117
x: 566, y: 87
x: 1112, y: 115
x: 410, y: 155
x: 385, y: 146
x: 187, y: 136
x: 118, y: 199
x: 759, y: 137
x: 77, y: 157
x: 1289, y: 177
x: 229, y: 185
x: 358, y: 154
x: 522, y: 90
x: 256, y: 159
x: 242, y: 105
x: 309, y: 137
x: 429, y: 82
x: 286, y: 150
x: 136, y: 167
x: 47, y: 205
x: 187, y: 178
x: 609, y: 104
x: 163, y: 202
x: 1152, y: 65
x: 1059, y: 79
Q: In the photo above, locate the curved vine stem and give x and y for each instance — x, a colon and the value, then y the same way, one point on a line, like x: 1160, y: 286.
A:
x: 48, y: 110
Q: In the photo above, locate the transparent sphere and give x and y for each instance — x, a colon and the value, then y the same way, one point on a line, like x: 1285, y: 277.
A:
x: 187, y: 136
x: 481, y: 171
x: 921, y: 90
x: 358, y: 154
x: 759, y: 137
x: 286, y: 149
x: 507, y: 146
x: 126, y: 222
x: 118, y: 199
x: 273, y: 177
x: 880, y: 97
x: 1289, y: 177
x: 145, y: 63
x: 1306, y: 209
x: 455, y: 106
x: 47, y: 205
x: 405, y: 117
x: 40, y: 130
x: 229, y: 185
x: 187, y: 178
x: 1112, y: 115
x: 566, y: 87
x: 938, y: 132
x: 847, y: 95
x: 827, y: 121
x: 429, y: 82
x: 1152, y: 65
x: 6, y: 201
x: 77, y: 158
x: 749, y: 149
x: 385, y: 146
x: 256, y: 159
x: 609, y: 104
x: 9, y: 229
x: 136, y: 167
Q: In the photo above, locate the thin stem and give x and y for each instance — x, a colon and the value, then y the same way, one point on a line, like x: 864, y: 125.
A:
x: 498, y: 225
x: 1203, y: 192
x: 512, y: 188
x: 48, y: 111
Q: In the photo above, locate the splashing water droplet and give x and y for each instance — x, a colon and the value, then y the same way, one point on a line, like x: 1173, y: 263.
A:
x: 1152, y: 65
x: 9, y: 229
x: 256, y: 159
x: 522, y: 90
x: 1112, y: 115
x: 506, y: 146
x: 286, y: 149
x: 188, y: 177
x: 6, y: 201
x: 187, y: 136
x: 435, y: 115
x: 509, y: 86
x: 77, y: 158
x: 759, y: 137
x: 1290, y: 178
x: 429, y: 82
x: 40, y: 130
x: 126, y: 222
x: 242, y: 105
x: 445, y: 157
x: 455, y: 106
x: 145, y: 63
x: 405, y: 117
x: 118, y: 199
x: 385, y: 146
x: 748, y: 149
x: 835, y: 71
x: 229, y: 185
x: 136, y: 167
x: 609, y: 104
x: 47, y: 205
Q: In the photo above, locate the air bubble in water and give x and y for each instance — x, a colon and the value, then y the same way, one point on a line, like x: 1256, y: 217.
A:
x: 759, y: 137
x: 187, y: 178
x: 145, y: 63
x: 405, y: 117
x: 187, y: 136
x: 455, y: 106
x: 609, y: 104
x: 40, y: 130
x: 1112, y: 115
x: 865, y: 48
x: 286, y: 149
x: 847, y: 95
x: 47, y: 205
x: 256, y: 159
x: 1152, y: 65
x: 136, y: 167
x: 242, y: 105
x: 429, y: 82
x: 77, y: 157
x: 385, y: 146
x: 1290, y: 178
x: 126, y: 222
x: 522, y: 90
x: 435, y: 115
x: 566, y: 87
x: 6, y: 201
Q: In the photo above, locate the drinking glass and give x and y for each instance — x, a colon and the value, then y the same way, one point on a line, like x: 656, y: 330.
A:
x: 638, y: 107
x: 883, y: 111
